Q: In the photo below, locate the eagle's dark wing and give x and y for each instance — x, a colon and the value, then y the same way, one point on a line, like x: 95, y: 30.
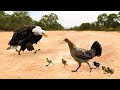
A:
x: 20, y: 34
x: 25, y: 40
x: 26, y: 43
x: 29, y: 46
x: 29, y: 41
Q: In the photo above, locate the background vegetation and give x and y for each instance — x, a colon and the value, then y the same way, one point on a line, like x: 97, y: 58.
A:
x: 104, y: 22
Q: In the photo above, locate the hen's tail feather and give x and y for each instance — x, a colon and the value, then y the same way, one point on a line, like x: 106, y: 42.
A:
x: 96, y: 46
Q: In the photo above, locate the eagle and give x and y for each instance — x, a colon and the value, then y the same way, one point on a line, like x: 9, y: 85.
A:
x: 24, y: 37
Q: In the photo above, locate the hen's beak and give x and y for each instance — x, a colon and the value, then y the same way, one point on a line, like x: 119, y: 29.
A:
x: 64, y: 40
x: 45, y: 35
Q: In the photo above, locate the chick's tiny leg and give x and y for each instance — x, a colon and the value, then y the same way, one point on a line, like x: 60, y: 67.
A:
x: 52, y: 64
x: 47, y: 64
x: 77, y: 68
x: 110, y: 75
x: 105, y: 73
x: 66, y: 64
x: 14, y: 52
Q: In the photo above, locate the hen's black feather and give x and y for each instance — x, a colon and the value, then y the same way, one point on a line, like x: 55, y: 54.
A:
x: 97, y: 48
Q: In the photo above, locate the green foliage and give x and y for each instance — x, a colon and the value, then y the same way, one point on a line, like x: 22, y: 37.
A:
x: 49, y: 22
x: 17, y: 19
x: 110, y: 29
x: 20, y: 18
x: 102, y: 18
x: 85, y: 26
x: 75, y: 28
x: 110, y: 22
x: 104, y: 22
x: 117, y: 29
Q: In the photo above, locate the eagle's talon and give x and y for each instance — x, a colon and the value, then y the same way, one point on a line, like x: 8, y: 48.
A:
x: 35, y: 51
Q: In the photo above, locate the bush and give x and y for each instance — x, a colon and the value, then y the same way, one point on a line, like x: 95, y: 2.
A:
x: 111, y: 29
x: 117, y: 29
x: 104, y: 29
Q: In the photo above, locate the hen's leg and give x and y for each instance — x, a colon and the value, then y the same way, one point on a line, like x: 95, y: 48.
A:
x: 77, y: 68
x: 90, y: 65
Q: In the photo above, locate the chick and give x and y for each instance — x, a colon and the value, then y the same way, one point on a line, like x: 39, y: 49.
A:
x: 64, y: 62
x: 49, y: 61
x: 104, y: 68
x: 96, y: 64
x: 111, y: 71
x: 108, y: 70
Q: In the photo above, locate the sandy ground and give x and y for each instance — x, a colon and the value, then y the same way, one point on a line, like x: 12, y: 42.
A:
x: 33, y: 66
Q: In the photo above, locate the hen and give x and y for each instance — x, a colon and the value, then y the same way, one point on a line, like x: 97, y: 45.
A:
x: 96, y: 64
x: 81, y: 55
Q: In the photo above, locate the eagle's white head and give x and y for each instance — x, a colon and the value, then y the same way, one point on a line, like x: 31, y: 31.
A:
x: 39, y: 31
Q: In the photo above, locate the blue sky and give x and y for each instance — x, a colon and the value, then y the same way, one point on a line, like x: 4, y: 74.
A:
x: 69, y: 18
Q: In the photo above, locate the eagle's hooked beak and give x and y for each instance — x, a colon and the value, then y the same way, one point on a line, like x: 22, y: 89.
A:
x: 45, y: 35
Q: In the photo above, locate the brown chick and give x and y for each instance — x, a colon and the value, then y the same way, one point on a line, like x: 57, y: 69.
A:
x: 64, y: 62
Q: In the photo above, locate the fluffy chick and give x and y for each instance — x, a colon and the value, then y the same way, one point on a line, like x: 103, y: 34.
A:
x: 49, y: 62
x: 64, y: 62
x: 96, y: 64
x: 107, y: 70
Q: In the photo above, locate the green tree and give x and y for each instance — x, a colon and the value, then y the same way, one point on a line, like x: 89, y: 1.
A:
x: 2, y: 16
x: 2, y: 13
x: 4, y: 20
x: 49, y: 22
x: 118, y: 16
x: 75, y: 28
x: 20, y: 18
x: 112, y: 21
x: 85, y: 26
x: 102, y: 20
x: 17, y: 19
